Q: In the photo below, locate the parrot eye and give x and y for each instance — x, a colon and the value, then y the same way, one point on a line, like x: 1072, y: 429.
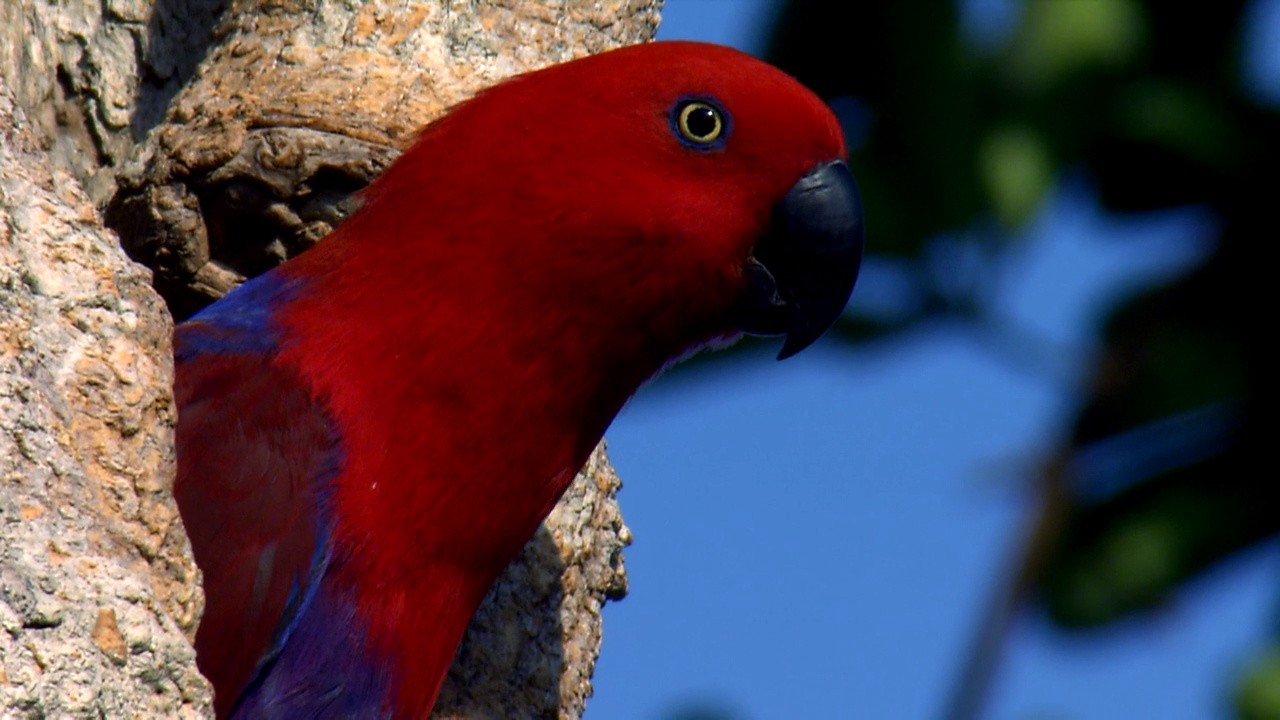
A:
x: 699, y: 124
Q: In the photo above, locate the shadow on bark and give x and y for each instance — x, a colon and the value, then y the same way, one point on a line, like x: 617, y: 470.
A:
x: 500, y: 652
x: 179, y: 35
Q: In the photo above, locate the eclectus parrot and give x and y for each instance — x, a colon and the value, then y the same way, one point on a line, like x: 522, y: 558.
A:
x: 370, y: 432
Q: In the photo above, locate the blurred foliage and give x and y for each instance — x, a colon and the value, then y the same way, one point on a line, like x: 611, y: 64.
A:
x: 958, y: 133
x: 1258, y: 693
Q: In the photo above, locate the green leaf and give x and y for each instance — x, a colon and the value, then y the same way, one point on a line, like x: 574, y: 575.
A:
x: 1016, y: 171
x: 1059, y: 39
x: 1257, y: 696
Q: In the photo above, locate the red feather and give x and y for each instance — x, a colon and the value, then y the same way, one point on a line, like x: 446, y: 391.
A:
x: 251, y: 443
x: 472, y: 330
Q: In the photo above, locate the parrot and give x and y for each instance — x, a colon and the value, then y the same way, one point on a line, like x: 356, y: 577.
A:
x: 368, y: 433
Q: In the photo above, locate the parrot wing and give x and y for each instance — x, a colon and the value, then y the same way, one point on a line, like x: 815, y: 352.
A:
x: 258, y: 451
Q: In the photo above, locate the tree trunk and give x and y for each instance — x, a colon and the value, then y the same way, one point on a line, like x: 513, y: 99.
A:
x: 96, y: 580
x: 218, y: 138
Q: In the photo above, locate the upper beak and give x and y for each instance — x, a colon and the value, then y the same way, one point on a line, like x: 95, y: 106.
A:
x: 801, y: 274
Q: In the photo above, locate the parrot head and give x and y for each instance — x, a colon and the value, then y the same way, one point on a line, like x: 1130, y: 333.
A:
x: 551, y: 244
x: 441, y: 365
x: 683, y: 192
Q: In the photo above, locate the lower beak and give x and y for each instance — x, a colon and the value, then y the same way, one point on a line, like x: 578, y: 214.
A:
x: 802, y: 272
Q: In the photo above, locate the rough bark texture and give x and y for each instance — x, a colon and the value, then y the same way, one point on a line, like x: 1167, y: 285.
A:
x: 533, y: 644
x: 96, y: 579
x: 301, y: 102
x: 277, y: 111
x: 94, y: 76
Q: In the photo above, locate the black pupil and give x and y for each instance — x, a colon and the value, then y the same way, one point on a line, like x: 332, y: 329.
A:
x: 701, y: 121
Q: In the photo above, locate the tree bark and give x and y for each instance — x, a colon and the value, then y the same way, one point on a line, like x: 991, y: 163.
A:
x: 220, y: 137
x: 97, y: 585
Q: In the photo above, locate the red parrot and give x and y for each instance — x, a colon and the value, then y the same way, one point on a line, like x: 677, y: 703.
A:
x: 370, y: 432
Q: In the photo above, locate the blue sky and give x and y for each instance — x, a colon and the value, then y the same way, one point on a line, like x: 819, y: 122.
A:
x: 815, y: 538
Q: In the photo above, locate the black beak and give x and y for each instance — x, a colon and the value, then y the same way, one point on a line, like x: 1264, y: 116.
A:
x: 802, y: 273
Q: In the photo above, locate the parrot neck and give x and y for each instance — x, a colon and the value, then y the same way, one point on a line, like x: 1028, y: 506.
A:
x: 462, y: 423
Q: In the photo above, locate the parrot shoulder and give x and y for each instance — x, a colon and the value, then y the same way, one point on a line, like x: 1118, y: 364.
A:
x: 256, y: 457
